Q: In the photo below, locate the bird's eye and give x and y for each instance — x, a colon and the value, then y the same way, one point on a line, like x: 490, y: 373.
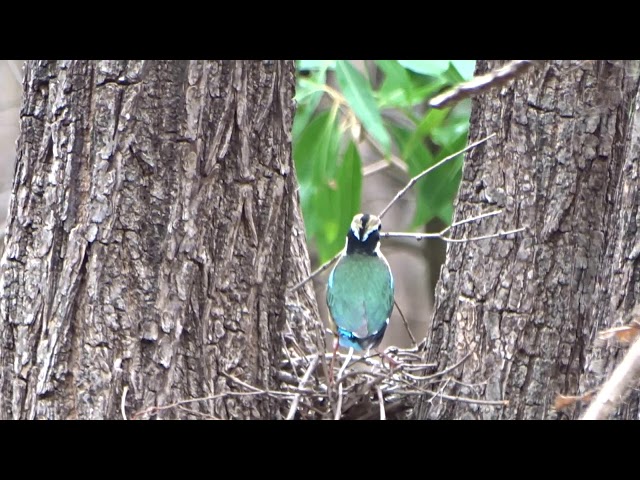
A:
x: 380, y: 226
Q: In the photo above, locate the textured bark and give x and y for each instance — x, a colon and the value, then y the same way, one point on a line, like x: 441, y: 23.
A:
x: 564, y: 164
x: 154, y: 227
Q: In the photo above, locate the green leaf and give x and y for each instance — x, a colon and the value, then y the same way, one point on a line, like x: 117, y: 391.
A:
x: 328, y: 233
x: 436, y: 190
x: 304, y: 112
x: 307, y: 87
x: 434, y: 68
x: 349, y: 180
x: 357, y: 91
x: 339, y: 203
x: 397, y: 88
x: 432, y: 120
x: 465, y: 68
x: 315, y: 155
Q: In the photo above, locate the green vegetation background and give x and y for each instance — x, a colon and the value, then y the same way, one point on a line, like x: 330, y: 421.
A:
x: 340, y: 108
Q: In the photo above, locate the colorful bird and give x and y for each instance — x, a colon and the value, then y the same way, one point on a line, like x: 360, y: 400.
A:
x: 360, y: 287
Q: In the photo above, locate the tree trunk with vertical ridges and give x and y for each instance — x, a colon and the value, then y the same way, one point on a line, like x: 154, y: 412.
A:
x: 565, y: 165
x: 154, y: 227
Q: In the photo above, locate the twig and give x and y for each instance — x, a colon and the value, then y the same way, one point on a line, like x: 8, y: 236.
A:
x: 340, y: 372
x: 501, y: 233
x: 406, y: 325
x: 383, y: 416
x: 319, y: 270
x: 375, y: 167
x: 449, y: 369
x: 481, y: 83
x: 469, y: 220
x: 252, y: 388
x: 158, y: 408
x: 412, y: 182
x: 616, y: 389
x: 123, y: 400
x: 286, y: 351
x: 441, y: 234
x: 421, y: 391
x: 303, y: 381
x: 392, y: 159
x: 431, y: 168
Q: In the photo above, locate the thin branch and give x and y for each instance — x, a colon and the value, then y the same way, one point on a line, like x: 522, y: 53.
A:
x: 340, y: 373
x: 319, y: 270
x: 392, y: 160
x: 155, y: 409
x: 469, y: 220
x: 449, y: 369
x: 252, y: 388
x: 123, y: 400
x: 286, y: 351
x: 431, y: 168
x: 616, y: 389
x: 406, y: 325
x: 441, y: 234
x: 422, y: 236
x: 421, y: 391
x: 412, y: 182
x: 481, y: 83
x: 383, y: 416
x: 375, y: 167
x: 501, y: 233
x: 303, y: 381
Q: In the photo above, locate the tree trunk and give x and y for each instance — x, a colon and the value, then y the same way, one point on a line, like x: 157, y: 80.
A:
x: 564, y: 164
x: 154, y: 227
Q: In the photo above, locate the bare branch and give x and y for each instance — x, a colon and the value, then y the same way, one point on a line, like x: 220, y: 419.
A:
x: 441, y: 233
x: 422, y: 391
x: 123, y: 400
x: 406, y: 324
x: 616, y: 389
x: 303, y: 381
x: 481, y: 83
x: 501, y: 233
x: 319, y: 270
x: 430, y: 169
x: 383, y: 416
x: 340, y: 374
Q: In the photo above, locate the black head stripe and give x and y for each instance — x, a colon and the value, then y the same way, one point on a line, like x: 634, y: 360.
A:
x: 364, y: 223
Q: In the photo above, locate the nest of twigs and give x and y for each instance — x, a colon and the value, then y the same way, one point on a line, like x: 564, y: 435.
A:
x: 371, y: 386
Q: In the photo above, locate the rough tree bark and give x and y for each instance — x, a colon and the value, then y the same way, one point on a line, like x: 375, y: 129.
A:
x: 565, y: 164
x: 154, y: 227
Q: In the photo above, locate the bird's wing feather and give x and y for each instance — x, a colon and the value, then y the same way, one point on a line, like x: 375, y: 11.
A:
x: 364, y: 300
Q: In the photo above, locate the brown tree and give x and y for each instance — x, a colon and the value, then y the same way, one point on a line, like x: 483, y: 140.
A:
x: 154, y: 226
x: 528, y: 310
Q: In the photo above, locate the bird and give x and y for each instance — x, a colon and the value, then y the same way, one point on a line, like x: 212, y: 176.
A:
x: 360, y: 290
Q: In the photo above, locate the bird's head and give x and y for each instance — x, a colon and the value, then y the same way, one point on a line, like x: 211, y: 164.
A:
x: 364, y: 234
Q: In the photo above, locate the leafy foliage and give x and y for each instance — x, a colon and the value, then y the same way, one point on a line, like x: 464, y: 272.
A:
x: 340, y: 108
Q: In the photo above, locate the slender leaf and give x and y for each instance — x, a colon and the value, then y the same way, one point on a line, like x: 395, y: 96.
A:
x: 357, y: 91
x: 396, y: 89
x: 349, y: 181
x: 315, y: 155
